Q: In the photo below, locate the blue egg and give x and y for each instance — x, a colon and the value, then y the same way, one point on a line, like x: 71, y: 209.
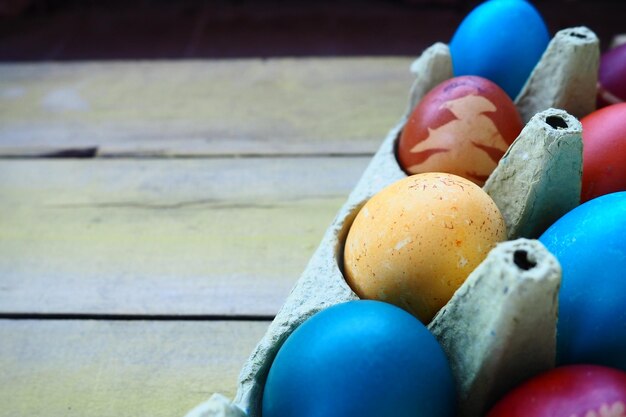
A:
x: 590, y: 244
x: 360, y: 358
x: 501, y: 40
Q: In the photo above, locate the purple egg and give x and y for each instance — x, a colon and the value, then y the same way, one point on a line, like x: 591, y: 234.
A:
x: 612, y: 77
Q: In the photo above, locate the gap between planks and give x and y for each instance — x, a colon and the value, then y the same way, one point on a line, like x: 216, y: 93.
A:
x: 134, y: 317
x: 277, y: 106
x: 93, y: 154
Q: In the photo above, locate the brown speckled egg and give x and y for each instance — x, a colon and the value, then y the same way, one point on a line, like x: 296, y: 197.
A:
x: 463, y: 126
x: 416, y: 241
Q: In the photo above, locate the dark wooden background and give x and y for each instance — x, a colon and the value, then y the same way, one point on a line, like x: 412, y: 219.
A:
x: 36, y: 30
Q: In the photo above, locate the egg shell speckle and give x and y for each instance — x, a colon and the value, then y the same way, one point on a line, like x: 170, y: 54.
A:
x: 415, y: 242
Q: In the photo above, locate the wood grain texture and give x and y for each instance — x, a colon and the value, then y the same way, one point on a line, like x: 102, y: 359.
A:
x: 92, y: 368
x: 165, y: 237
x: 249, y: 107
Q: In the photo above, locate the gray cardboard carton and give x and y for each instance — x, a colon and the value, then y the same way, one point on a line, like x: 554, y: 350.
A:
x: 513, y: 293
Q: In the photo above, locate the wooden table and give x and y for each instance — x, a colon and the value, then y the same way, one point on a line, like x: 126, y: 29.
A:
x: 154, y: 216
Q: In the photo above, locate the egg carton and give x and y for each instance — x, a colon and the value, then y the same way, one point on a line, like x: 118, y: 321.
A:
x: 499, y: 327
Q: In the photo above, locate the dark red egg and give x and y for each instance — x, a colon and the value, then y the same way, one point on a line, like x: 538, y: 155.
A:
x: 604, y: 152
x: 568, y: 391
x: 463, y: 126
x: 612, y: 77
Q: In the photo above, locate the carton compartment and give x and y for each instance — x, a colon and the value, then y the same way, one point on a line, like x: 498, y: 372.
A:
x: 343, y: 234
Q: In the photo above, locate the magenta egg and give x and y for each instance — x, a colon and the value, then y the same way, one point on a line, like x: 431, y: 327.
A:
x: 568, y: 391
x: 612, y: 77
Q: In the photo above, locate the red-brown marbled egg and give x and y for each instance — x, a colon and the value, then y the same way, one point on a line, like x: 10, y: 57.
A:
x: 463, y: 126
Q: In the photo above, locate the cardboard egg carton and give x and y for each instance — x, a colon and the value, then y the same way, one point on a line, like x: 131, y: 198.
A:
x: 499, y: 328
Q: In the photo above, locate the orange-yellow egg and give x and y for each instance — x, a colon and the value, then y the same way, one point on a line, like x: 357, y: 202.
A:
x: 416, y: 241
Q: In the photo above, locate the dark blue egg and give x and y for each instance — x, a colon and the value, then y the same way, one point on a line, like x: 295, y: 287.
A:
x: 590, y: 244
x: 501, y: 40
x: 361, y: 358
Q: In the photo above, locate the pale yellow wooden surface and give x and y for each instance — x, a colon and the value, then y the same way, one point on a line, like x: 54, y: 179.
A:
x: 179, y: 236
x: 278, y: 106
x: 63, y: 368
x: 213, y: 236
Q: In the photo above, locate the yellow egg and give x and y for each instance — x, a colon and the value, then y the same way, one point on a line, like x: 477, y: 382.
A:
x: 415, y: 242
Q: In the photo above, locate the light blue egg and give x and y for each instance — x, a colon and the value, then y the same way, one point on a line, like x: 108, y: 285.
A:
x: 501, y: 40
x: 361, y: 358
x: 590, y: 244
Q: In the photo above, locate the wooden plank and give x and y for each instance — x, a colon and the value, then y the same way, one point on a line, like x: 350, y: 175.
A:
x: 153, y: 236
x: 116, y: 368
x: 224, y: 107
